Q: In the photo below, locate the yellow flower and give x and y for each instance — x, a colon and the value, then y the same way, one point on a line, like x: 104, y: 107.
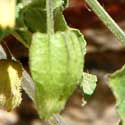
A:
x: 10, y: 84
x: 7, y: 13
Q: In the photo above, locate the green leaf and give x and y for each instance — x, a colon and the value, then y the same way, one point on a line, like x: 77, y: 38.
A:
x: 37, y: 16
x: 3, y: 33
x: 23, y: 36
x: 59, y: 20
x: 117, y: 84
x: 42, y: 3
x: 88, y: 83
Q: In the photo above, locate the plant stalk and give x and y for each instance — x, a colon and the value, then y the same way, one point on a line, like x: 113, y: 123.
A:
x: 106, y: 19
x: 50, y: 19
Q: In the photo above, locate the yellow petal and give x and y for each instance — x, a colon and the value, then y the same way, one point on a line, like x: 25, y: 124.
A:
x: 10, y: 82
x: 7, y: 13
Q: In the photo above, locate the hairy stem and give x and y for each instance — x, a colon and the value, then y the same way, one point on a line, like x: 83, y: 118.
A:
x: 50, y: 19
x: 106, y: 19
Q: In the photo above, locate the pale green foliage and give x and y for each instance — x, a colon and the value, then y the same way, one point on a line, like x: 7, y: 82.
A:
x: 56, y: 64
x: 117, y: 84
x: 88, y: 83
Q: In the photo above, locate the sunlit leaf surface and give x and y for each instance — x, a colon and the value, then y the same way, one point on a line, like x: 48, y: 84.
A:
x: 117, y: 84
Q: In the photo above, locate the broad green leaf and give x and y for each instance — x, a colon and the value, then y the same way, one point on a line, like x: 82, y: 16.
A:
x: 37, y: 17
x: 10, y: 83
x: 88, y: 83
x: 117, y: 84
x: 34, y: 19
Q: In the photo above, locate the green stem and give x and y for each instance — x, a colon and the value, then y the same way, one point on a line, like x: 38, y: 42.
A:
x: 106, y: 19
x: 50, y: 19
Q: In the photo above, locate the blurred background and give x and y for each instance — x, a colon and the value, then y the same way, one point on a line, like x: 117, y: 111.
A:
x: 105, y: 54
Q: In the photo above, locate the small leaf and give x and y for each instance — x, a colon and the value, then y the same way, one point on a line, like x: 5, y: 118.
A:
x: 10, y: 82
x: 23, y: 36
x: 59, y: 20
x: 117, y: 84
x: 88, y: 83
